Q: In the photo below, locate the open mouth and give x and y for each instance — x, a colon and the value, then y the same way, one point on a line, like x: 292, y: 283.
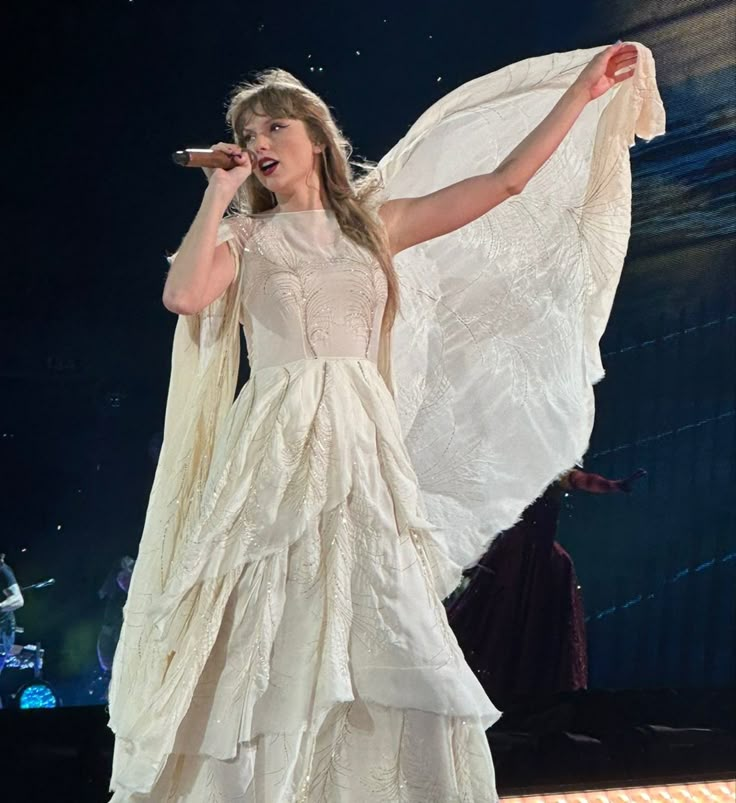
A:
x: 268, y: 167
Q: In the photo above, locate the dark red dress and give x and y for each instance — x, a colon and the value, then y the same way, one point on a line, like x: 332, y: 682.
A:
x: 520, y: 621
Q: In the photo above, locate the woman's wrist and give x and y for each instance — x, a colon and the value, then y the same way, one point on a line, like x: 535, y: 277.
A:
x: 217, y: 197
x: 578, y: 93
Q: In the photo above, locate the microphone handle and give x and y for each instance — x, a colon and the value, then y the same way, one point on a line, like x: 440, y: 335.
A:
x: 204, y: 157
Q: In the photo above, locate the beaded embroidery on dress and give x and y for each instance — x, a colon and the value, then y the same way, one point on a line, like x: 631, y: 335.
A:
x: 284, y: 637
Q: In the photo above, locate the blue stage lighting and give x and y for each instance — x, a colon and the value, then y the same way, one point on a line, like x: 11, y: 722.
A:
x: 37, y: 695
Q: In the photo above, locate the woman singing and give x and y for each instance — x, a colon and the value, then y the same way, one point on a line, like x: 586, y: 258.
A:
x: 413, y: 336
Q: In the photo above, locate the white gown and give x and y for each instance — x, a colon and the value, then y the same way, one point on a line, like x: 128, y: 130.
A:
x: 284, y: 636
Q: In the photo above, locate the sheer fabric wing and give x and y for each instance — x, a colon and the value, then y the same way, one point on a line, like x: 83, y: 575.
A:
x: 495, y: 351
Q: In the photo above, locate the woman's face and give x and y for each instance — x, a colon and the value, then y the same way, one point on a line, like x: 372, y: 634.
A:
x: 285, y: 140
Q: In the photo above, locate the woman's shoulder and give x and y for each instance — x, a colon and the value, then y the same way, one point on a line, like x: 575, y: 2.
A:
x: 241, y: 224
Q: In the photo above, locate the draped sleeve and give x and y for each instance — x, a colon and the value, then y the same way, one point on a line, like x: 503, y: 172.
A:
x: 496, y: 348
x: 204, y: 369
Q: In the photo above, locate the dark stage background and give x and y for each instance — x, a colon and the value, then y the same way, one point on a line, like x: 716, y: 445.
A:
x: 99, y: 95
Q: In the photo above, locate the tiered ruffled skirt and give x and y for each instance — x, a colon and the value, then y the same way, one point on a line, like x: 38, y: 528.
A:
x: 309, y: 656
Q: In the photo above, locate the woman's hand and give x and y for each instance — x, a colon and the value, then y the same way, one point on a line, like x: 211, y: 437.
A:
x: 599, y: 75
x: 627, y: 485
x: 228, y: 181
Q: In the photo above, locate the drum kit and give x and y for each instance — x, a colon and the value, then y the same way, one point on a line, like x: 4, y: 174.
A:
x: 23, y: 664
x: 25, y: 656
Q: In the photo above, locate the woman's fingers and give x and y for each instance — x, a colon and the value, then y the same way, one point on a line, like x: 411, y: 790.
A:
x: 240, y: 155
x: 228, y: 147
x: 625, y: 62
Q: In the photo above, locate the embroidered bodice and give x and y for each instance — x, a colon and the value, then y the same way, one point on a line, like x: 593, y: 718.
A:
x: 308, y: 290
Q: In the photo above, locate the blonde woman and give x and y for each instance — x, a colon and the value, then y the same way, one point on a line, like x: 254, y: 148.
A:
x: 284, y: 637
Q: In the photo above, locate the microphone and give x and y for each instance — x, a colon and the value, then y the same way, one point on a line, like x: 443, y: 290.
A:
x: 206, y: 157
x: 42, y: 584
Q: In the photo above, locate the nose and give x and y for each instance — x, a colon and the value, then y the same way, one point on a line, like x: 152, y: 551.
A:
x: 261, y: 142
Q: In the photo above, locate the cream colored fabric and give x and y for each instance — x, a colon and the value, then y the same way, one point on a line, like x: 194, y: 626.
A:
x: 303, y: 579
x: 496, y: 352
x: 284, y: 636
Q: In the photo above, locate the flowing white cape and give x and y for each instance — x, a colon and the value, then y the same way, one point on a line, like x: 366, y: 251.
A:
x: 495, y: 352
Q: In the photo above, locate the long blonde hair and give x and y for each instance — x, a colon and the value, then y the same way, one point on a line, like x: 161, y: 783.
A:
x: 277, y: 93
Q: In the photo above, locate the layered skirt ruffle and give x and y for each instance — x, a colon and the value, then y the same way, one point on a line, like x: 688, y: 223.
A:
x: 300, y: 650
